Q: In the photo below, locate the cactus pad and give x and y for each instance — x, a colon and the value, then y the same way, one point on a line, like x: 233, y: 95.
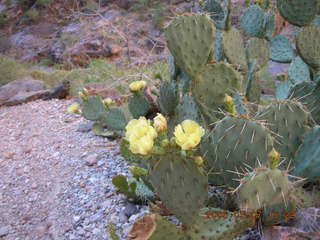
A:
x: 180, y: 184
x: 234, y: 143
x: 138, y: 106
x: 307, y: 161
x: 308, y: 93
x: 116, y: 119
x: 269, y: 24
x: 259, y: 50
x: 263, y: 188
x: 252, y: 21
x: 233, y: 49
x: 283, y: 88
x: 190, y: 41
x: 281, y: 49
x: 298, y: 71
x: 93, y: 108
x: 281, y: 118
x: 210, y: 86
x: 309, y: 47
x: 215, y: 11
x: 218, y: 49
x: 253, y: 88
x: 298, y: 12
x: 168, y: 97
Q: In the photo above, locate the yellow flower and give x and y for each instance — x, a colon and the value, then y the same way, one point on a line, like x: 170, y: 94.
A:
x: 188, y: 134
x: 108, y: 101
x: 74, y: 108
x: 229, y: 104
x: 137, y: 86
x: 140, y: 135
x: 274, y: 158
x: 160, y: 123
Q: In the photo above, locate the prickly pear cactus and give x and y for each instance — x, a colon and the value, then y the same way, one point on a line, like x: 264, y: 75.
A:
x: 308, y: 93
x: 258, y: 50
x: 189, y: 40
x: 281, y: 49
x: 307, y: 161
x: 283, y: 88
x: 298, y: 71
x: 263, y: 187
x: 181, y: 185
x: 282, y: 118
x: 218, y: 224
x: 93, y: 108
x: 155, y: 227
x: 116, y: 119
x: 218, y: 49
x: 138, y: 106
x: 252, y: 21
x: 252, y: 86
x: 298, y: 12
x: 168, y: 97
x: 269, y: 23
x: 210, y: 87
x: 233, y: 48
x: 232, y: 145
x: 215, y: 11
x: 308, y: 47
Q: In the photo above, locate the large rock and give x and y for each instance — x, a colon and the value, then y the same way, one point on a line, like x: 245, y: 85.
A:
x: 24, y: 97
x: 23, y: 85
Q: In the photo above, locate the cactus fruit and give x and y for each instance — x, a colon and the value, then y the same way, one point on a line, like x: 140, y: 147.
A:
x: 190, y: 41
x: 233, y: 48
x: 223, y: 79
x: 155, y: 227
x: 259, y: 50
x: 281, y: 49
x: 298, y: 71
x: 307, y: 161
x: 181, y: 185
x: 234, y: 144
x: 168, y: 97
x: 308, y: 93
x: 298, y: 12
x: 217, y: 224
x: 252, y: 21
x: 263, y: 187
x: 281, y: 118
x: 308, y: 46
x: 138, y: 105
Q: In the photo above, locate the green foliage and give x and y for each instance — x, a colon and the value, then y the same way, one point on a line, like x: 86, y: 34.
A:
x: 11, y: 70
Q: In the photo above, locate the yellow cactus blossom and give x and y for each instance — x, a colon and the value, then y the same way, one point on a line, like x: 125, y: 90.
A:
x: 74, y: 108
x: 188, y: 134
x: 160, y: 123
x: 108, y: 101
x: 140, y: 135
x: 199, y: 161
x: 229, y: 104
x: 274, y: 158
x: 137, y: 86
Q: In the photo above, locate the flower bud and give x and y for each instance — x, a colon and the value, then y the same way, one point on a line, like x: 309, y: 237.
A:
x: 160, y: 123
x: 137, y: 86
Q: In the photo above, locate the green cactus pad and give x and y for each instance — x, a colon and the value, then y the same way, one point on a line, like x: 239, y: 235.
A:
x: 263, y: 188
x: 155, y: 227
x: 309, y: 47
x: 138, y: 106
x: 283, y: 88
x: 180, y: 184
x: 281, y: 49
x: 174, y: 70
x: 217, y: 224
x: 298, y: 12
x: 168, y: 97
x: 188, y: 109
x: 93, y: 109
x: 234, y: 143
x: 307, y: 161
x: 252, y: 21
x: 190, y: 39
x: 184, y: 82
x: 259, y: 50
x: 298, y: 71
x: 253, y: 88
x: 210, y: 87
x: 233, y: 48
x: 308, y: 93
x: 99, y: 130
x: 241, y: 107
x: 281, y: 118
x: 116, y: 119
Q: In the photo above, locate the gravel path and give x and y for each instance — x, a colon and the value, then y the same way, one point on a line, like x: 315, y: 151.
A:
x: 55, y: 176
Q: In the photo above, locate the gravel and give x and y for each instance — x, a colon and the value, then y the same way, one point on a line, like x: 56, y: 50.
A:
x: 55, y: 180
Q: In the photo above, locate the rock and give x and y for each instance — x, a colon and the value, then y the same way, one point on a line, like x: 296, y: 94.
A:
x: 4, y: 231
x: 27, y: 84
x: 24, y: 97
x: 92, y: 159
x: 85, y: 127
x: 287, y: 233
x: 76, y: 218
x: 307, y: 219
x: 130, y: 209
